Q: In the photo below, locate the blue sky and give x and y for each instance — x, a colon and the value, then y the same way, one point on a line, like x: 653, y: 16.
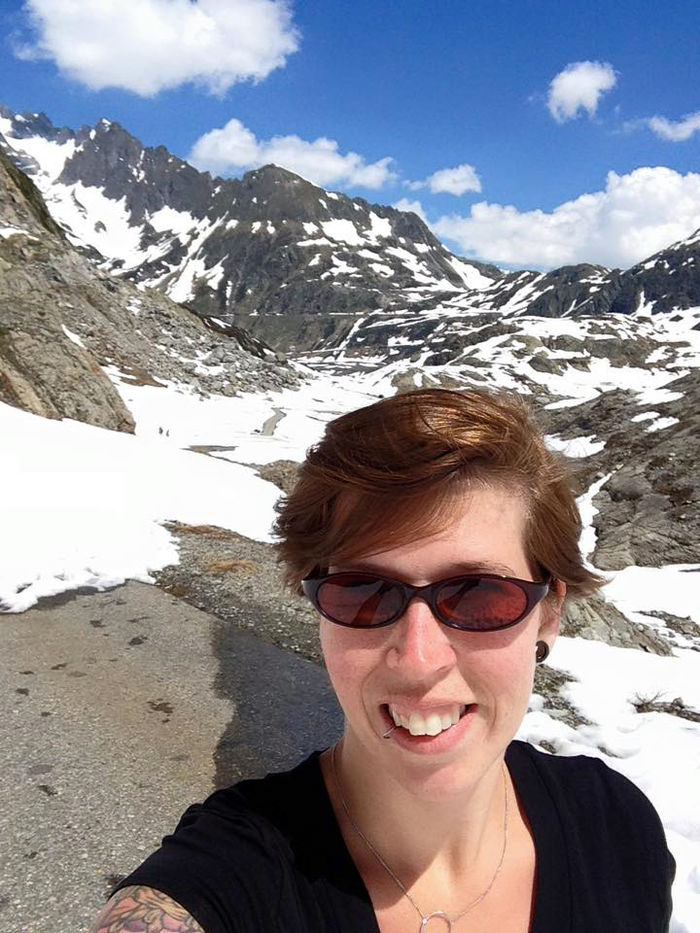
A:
x: 493, y: 119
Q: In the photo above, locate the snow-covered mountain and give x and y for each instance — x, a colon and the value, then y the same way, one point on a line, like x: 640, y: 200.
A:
x: 295, y: 264
x: 269, y: 243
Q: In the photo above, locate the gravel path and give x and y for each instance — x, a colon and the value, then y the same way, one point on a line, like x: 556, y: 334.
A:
x: 118, y: 710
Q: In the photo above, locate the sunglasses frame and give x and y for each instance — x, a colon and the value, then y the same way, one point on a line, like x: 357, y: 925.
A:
x: 534, y: 592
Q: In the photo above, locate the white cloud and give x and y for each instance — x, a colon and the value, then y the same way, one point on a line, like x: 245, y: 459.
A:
x: 404, y: 204
x: 455, y: 181
x: 234, y: 147
x: 579, y: 87
x: 146, y: 46
x: 636, y: 215
x: 678, y: 131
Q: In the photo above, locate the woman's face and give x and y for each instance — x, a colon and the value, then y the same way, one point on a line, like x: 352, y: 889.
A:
x: 421, y: 668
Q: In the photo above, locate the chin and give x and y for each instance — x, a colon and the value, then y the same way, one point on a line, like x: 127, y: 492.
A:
x: 436, y: 778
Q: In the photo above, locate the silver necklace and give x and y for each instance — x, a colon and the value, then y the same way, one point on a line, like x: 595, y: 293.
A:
x: 439, y: 915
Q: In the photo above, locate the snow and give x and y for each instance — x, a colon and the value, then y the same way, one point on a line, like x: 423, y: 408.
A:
x: 657, y: 751
x: 7, y: 232
x: 343, y: 231
x: 74, y: 338
x: 93, y: 218
x: 183, y: 287
x: 340, y: 267
x: 522, y: 297
x: 167, y: 219
x: 379, y: 227
x: 381, y: 269
x: 673, y: 588
x: 87, y: 504
x: 319, y: 241
x: 49, y: 156
x: 646, y: 416
x: 419, y: 270
x: 588, y: 511
x: 654, y: 396
x: 660, y: 423
x: 469, y: 274
x: 575, y: 447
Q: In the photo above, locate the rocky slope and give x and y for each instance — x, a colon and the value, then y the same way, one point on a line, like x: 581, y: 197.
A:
x: 64, y: 325
x: 41, y: 368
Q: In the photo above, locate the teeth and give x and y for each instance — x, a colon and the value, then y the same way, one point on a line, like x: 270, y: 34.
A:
x: 431, y: 724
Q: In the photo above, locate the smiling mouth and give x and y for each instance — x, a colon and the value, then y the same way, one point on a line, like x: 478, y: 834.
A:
x: 429, y: 723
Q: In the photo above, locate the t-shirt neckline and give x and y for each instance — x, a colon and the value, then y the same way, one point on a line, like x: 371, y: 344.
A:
x: 552, y: 898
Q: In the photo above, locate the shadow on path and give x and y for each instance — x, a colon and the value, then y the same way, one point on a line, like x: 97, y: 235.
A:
x: 284, y: 706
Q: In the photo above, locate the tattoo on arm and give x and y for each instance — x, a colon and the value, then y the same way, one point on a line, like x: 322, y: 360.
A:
x: 140, y: 909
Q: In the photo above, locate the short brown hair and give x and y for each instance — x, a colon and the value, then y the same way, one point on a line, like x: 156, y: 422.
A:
x: 388, y: 473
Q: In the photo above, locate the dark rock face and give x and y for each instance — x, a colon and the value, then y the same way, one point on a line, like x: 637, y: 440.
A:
x: 41, y: 369
x: 667, y: 281
x: 600, y: 621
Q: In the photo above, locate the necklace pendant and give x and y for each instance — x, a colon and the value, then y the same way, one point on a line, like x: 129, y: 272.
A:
x: 443, y: 922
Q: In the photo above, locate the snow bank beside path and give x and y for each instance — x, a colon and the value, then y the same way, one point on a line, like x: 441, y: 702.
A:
x: 82, y: 506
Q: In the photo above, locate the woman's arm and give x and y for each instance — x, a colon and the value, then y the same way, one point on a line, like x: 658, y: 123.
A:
x: 140, y: 909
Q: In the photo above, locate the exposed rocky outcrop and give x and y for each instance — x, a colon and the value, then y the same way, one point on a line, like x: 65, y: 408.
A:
x: 599, y: 620
x: 63, y: 323
x: 41, y: 369
x: 667, y: 281
x: 649, y: 508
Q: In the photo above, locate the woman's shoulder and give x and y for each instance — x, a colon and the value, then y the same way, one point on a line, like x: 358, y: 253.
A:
x: 591, y: 798
x: 271, y: 804
x: 588, y: 775
x: 234, y: 848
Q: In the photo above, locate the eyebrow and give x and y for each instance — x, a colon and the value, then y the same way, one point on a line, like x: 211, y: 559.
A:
x: 453, y: 569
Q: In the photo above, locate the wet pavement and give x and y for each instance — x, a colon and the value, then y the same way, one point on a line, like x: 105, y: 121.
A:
x: 118, y: 710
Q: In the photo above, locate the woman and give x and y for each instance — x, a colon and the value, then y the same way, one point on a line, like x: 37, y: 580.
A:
x: 438, y: 539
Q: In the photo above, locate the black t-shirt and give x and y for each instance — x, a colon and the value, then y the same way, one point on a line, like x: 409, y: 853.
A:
x: 267, y: 856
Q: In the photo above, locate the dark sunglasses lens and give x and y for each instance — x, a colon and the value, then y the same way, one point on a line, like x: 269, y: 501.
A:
x: 481, y: 604
x: 358, y: 599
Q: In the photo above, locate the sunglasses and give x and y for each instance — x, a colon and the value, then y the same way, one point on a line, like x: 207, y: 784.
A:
x: 478, y: 602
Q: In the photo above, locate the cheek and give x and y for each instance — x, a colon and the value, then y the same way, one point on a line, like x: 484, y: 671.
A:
x: 349, y: 657
x: 505, y: 667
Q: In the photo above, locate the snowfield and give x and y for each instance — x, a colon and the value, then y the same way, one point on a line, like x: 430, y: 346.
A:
x: 85, y: 506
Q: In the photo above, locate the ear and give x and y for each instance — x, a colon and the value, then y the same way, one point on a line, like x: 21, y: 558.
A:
x: 551, y: 613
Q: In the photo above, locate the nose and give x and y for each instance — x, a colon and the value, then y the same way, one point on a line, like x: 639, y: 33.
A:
x: 420, y: 645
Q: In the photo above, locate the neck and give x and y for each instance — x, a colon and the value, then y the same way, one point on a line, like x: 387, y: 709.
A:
x: 452, y: 833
